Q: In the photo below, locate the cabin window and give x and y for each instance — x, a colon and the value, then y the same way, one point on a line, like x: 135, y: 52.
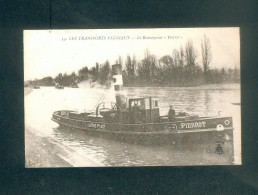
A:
x: 146, y: 104
x: 136, y: 103
x: 156, y: 103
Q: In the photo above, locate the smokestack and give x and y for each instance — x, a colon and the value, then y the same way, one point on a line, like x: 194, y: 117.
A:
x: 118, y: 85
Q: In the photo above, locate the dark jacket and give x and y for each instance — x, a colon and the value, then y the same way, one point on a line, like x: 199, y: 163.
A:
x: 171, y: 114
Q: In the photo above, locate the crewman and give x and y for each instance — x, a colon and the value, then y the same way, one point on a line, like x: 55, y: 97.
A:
x: 171, y: 114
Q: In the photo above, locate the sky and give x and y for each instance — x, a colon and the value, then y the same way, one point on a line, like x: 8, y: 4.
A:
x: 49, y: 52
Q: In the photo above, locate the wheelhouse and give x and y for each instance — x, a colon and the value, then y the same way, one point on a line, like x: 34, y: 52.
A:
x: 138, y: 111
x: 144, y: 110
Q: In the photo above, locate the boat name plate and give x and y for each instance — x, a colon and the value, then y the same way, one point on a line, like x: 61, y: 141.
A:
x: 191, y: 125
x: 97, y: 125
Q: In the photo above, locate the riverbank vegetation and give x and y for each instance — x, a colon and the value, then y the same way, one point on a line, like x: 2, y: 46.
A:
x: 178, y: 69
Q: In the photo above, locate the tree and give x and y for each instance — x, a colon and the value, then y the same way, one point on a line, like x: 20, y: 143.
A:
x: 181, y: 65
x: 119, y: 61
x: 149, y: 66
x: 182, y: 57
x: 130, y: 68
x: 93, y: 73
x: 190, y: 57
x: 105, y: 74
x: 206, y: 55
x: 47, y: 81
x: 176, y: 57
x: 97, y: 71
x: 177, y: 70
x: 59, y: 78
x: 166, y: 61
x: 236, y: 74
x: 83, y: 73
x: 144, y: 67
x: 166, y: 66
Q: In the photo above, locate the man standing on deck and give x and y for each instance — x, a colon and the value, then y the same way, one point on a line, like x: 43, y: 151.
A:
x: 171, y: 114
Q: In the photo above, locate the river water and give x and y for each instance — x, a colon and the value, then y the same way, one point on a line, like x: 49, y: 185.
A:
x: 205, y: 100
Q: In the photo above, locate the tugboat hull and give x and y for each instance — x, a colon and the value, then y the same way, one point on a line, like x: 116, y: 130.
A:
x: 210, y: 138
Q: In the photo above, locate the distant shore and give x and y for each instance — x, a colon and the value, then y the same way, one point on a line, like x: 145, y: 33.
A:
x: 177, y: 84
x: 87, y: 84
x: 27, y: 90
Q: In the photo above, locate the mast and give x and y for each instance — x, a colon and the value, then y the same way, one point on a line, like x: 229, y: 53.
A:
x: 118, y: 86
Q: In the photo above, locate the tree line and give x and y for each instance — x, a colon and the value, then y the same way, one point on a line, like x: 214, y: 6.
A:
x: 178, y: 69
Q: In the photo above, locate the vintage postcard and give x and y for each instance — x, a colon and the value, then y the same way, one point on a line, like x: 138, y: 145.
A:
x: 132, y: 97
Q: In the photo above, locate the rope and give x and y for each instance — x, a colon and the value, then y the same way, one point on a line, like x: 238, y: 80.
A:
x: 100, y: 99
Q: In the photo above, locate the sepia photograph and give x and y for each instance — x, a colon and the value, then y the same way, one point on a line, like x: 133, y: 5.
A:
x: 132, y: 97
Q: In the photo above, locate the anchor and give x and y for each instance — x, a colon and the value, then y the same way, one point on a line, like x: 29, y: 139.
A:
x: 219, y: 149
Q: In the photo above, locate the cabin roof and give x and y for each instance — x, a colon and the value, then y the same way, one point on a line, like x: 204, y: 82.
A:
x: 140, y: 98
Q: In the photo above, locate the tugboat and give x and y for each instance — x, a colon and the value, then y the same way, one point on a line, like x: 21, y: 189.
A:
x: 138, y: 120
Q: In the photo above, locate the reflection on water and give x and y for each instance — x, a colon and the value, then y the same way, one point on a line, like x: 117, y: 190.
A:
x: 204, y: 101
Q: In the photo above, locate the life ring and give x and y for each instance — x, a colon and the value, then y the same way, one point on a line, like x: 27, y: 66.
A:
x: 226, y: 122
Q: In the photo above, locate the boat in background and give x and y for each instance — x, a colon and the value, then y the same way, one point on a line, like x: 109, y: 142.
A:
x: 74, y: 85
x: 58, y: 86
x: 138, y: 121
